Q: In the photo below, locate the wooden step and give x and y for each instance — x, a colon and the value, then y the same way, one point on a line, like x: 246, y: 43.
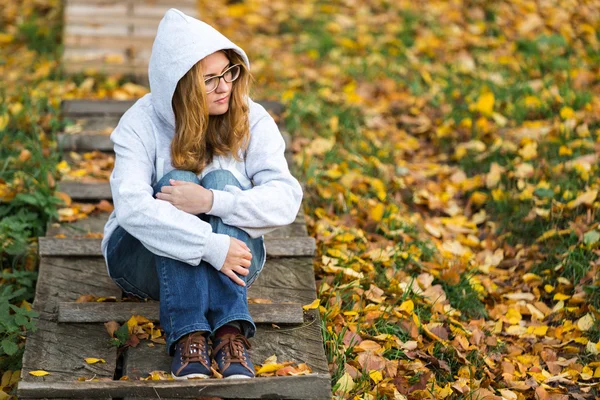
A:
x: 85, y: 191
x: 95, y: 120
x: 103, y: 107
x: 100, y: 124
x: 275, y: 313
x: 84, y: 142
x: 94, y: 224
x: 314, y: 386
x: 276, y: 247
x: 61, y: 349
x: 65, y: 279
x: 89, y: 141
x: 137, y: 3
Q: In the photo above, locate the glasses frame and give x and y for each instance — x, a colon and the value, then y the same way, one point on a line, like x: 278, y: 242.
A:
x: 218, y: 77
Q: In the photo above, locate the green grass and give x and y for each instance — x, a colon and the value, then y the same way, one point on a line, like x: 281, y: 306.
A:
x: 24, y: 217
x: 463, y: 297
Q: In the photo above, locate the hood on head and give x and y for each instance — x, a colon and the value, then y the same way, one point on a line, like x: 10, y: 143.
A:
x: 181, y: 41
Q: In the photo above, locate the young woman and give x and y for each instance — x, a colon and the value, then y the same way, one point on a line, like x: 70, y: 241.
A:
x: 199, y: 178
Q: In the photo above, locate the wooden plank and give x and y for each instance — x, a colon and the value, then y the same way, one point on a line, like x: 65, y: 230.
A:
x: 165, y: 3
x: 92, y: 224
x: 61, y: 349
x: 276, y: 247
x: 276, y: 313
x: 99, y: 8
x: 85, y: 142
x: 157, y: 10
x: 141, y: 360
x: 283, y: 280
x: 116, y: 55
x: 119, y: 31
x: 95, y: 224
x: 102, y: 124
x: 287, y: 279
x: 79, y: 37
x: 101, y: 18
x: 299, y: 344
x: 139, y: 72
x: 314, y: 386
x: 65, y: 279
x: 122, y: 9
x: 85, y: 191
x: 79, y: 108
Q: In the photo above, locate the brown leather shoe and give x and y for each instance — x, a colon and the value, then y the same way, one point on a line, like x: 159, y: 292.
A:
x: 229, y: 351
x: 191, y: 359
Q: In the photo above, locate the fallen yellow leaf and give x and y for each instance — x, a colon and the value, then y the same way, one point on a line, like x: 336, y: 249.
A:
x: 265, y: 369
x: 376, y: 376
x: 407, y: 306
x: 586, y: 322
x: 39, y: 373
x: 91, y: 360
x: 377, y: 212
x: 312, y: 305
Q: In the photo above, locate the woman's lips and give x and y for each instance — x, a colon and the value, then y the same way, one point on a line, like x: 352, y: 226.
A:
x: 222, y: 100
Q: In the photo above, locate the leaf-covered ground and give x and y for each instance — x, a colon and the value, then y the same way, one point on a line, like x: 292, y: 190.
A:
x: 449, y: 152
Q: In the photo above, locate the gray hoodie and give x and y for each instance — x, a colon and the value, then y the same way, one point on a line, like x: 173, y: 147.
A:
x: 271, y: 197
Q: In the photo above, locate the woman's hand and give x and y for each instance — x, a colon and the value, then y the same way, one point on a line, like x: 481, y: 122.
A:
x: 187, y: 196
x: 238, y: 260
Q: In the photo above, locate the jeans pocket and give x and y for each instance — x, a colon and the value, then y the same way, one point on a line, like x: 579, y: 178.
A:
x: 128, y: 288
x: 251, y: 278
x: 258, y: 245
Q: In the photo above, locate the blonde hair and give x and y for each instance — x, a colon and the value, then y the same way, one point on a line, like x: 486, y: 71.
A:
x: 197, y: 137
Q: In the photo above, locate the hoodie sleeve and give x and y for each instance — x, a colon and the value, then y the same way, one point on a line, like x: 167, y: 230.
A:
x: 161, y: 227
x: 275, y: 199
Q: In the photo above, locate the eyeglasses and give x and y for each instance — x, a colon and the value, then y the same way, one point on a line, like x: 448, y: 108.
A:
x: 230, y: 75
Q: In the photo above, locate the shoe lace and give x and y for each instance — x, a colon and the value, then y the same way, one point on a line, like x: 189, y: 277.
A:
x: 194, y: 349
x: 234, y: 347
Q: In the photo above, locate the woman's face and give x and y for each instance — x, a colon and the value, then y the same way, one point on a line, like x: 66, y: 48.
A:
x: 212, y: 65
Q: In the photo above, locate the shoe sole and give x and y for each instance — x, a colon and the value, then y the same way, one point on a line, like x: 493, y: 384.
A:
x: 190, y: 376
x: 238, y: 377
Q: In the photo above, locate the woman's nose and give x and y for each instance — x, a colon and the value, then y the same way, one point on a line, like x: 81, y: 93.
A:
x: 223, y: 86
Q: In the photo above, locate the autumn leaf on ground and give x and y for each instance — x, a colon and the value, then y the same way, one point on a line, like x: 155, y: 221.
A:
x: 92, y: 360
x: 39, y: 373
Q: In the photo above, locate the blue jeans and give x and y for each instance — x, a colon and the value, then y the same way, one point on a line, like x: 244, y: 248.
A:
x: 192, y: 298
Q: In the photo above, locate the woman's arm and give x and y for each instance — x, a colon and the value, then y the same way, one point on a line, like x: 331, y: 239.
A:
x: 276, y: 198
x: 160, y: 226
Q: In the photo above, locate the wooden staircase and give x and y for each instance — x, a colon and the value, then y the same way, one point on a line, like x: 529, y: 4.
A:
x: 114, y: 36
x: 72, y: 265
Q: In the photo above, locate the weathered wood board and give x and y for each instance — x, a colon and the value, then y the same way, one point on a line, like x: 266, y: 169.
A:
x: 275, y: 313
x: 95, y: 224
x: 276, y: 247
x: 289, y: 387
x: 61, y: 349
x: 65, y: 279
x: 86, y: 108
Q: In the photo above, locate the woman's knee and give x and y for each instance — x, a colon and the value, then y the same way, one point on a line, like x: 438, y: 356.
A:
x: 181, y: 175
x: 218, y: 179
x: 176, y: 174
